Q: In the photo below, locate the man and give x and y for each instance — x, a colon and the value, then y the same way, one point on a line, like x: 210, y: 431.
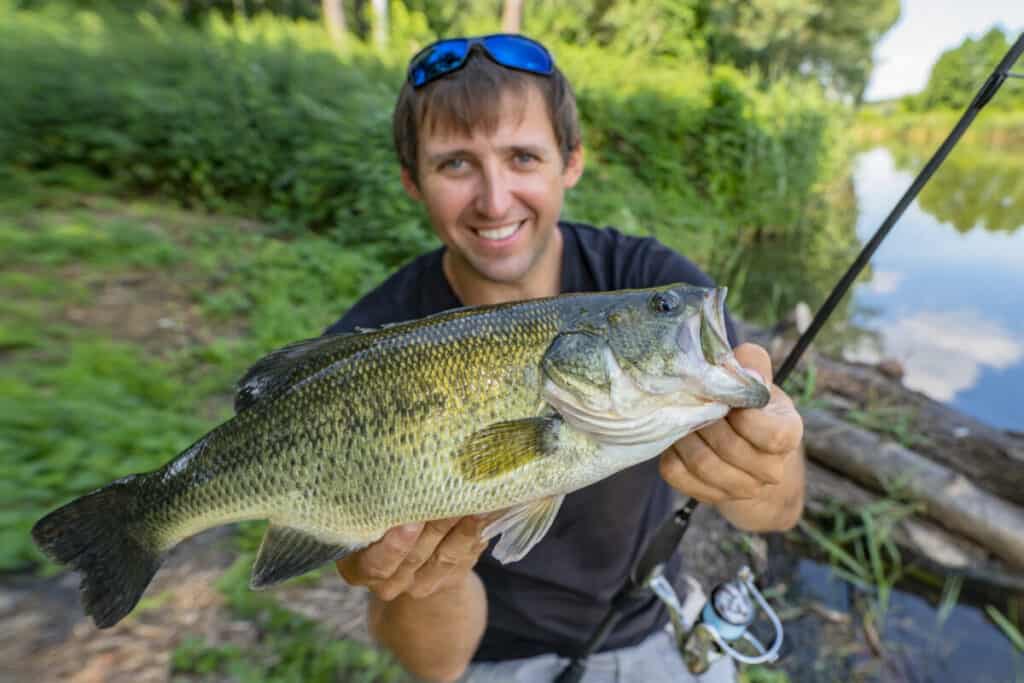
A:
x: 488, y: 139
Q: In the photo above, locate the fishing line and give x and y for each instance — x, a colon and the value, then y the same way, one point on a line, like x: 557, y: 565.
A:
x: 668, y: 536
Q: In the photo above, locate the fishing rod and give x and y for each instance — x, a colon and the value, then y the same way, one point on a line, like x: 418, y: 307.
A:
x: 730, y: 609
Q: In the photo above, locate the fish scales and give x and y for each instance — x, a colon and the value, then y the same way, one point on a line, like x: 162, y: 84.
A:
x: 501, y: 408
x: 381, y: 426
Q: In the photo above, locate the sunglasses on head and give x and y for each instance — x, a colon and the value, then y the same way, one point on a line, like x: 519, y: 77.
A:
x: 507, y: 49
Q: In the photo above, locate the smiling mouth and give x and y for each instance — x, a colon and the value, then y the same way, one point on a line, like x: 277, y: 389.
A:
x: 501, y: 233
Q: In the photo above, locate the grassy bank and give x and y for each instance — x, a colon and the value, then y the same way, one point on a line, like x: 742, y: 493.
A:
x: 881, y: 124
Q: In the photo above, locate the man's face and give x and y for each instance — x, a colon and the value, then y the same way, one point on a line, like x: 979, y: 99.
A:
x: 494, y: 198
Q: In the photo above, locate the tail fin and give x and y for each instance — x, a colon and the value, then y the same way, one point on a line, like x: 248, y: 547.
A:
x: 96, y: 535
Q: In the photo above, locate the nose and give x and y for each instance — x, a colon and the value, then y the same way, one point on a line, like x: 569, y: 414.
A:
x: 494, y: 196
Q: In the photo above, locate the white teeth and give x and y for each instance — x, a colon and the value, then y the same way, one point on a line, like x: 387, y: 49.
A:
x: 499, y: 233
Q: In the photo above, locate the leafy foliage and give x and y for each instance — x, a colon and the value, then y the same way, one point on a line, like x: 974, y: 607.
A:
x: 264, y: 117
x: 959, y: 72
x: 831, y: 41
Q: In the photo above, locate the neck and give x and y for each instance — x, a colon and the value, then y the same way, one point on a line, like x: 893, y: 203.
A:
x: 544, y: 278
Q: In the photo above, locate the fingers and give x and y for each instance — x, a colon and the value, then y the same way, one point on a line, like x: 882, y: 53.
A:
x: 775, y: 429
x: 416, y: 558
x: 378, y: 561
x: 754, y: 357
x: 454, y: 556
x: 405, y: 573
x: 693, y: 468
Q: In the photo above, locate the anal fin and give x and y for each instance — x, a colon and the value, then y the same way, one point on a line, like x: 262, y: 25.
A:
x: 522, y: 527
x: 287, y: 552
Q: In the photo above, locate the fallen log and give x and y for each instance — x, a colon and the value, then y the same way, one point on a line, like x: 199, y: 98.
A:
x: 948, y: 497
x: 940, y: 551
x: 991, y: 458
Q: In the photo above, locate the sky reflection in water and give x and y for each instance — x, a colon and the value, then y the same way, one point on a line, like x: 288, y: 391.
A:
x: 946, y: 292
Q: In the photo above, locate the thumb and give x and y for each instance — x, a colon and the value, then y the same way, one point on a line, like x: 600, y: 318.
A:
x: 754, y: 357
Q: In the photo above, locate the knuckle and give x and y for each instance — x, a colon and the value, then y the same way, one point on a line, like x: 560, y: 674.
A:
x: 669, y: 465
x: 703, y: 465
x: 375, y: 571
x: 446, y: 559
x: 420, y: 589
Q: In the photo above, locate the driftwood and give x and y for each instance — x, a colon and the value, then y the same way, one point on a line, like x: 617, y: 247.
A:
x: 939, y: 550
x: 949, y: 497
x: 991, y: 458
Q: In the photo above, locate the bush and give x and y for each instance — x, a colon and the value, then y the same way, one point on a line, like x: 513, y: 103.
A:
x: 264, y: 117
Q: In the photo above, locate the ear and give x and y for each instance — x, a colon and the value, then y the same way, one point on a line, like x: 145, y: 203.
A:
x: 410, y: 186
x: 573, y: 167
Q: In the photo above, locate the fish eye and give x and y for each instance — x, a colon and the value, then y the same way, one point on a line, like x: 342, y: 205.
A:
x: 665, y: 302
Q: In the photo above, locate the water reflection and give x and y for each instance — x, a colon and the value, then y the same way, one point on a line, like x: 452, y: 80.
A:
x: 944, y: 293
x: 977, y: 187
x: 946, y: 298
x: 944, y: 353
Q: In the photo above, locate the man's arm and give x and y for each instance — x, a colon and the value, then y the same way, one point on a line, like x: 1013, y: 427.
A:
x: 433, y: 637
x: 750, y: 464
x: 427, y: 606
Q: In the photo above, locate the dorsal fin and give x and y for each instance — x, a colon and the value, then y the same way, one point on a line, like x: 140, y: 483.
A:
x: 273, y: 374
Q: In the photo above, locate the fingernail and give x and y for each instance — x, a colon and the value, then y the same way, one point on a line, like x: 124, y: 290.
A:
x: 412, y: 529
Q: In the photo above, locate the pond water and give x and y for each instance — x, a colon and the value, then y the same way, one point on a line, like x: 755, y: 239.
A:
x: 921, y: 646
x: 945, y: 294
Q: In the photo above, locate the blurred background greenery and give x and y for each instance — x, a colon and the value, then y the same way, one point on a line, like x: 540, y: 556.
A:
x: 185, y: 186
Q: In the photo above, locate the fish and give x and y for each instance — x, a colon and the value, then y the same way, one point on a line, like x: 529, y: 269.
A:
x: 500, y: 409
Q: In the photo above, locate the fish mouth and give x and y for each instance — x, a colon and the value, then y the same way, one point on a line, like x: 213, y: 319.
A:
x: 726, y: 381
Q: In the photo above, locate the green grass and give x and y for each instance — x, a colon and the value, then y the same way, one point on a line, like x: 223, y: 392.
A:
x: 861, y: 546
x: 82, y: 400
x: 291, y: 648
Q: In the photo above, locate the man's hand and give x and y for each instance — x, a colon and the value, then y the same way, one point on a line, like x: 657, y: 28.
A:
x: 748, y: 464
x: 417, y: 559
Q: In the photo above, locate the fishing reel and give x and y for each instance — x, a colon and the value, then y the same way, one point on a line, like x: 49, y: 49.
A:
x: 722, y: 627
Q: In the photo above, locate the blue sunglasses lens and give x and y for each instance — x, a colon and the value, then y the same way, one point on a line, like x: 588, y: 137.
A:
x: 511, y: 51
x: 519, y: 53
x: 439, y: 59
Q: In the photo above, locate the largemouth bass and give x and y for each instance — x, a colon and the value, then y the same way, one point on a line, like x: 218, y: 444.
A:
x: 502, y: 408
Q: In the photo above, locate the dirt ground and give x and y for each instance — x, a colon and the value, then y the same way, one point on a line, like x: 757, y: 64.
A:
x: 48, y: 638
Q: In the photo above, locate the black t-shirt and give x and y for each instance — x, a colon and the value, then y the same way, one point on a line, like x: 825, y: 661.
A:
x: 554, y: 598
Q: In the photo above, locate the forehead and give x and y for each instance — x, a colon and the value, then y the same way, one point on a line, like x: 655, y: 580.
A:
x: 517, y: 115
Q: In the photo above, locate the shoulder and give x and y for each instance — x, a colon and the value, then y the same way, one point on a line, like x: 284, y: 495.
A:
x: 394, y: 300
x: 617, y: 260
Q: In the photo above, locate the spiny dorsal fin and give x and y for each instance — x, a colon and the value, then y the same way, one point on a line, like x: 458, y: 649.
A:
x: 287, y: 552
x: 274, y: 373
x: 505, y: 446
x: 522, y: 527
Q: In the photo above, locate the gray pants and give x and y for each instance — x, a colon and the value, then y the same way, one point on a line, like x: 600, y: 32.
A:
x: 655, y: 660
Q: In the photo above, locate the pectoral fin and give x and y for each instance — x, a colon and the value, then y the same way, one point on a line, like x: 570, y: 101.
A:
x: 287, y: 552
x: 522, y: 527
x: 506, y: 446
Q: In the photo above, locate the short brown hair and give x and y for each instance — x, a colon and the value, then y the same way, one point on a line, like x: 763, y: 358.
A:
x: 471, y: 97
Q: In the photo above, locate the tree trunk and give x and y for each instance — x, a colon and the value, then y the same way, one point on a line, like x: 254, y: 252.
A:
x: 512, y: 16
x: 334, y: 17
x: 380, y: 24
